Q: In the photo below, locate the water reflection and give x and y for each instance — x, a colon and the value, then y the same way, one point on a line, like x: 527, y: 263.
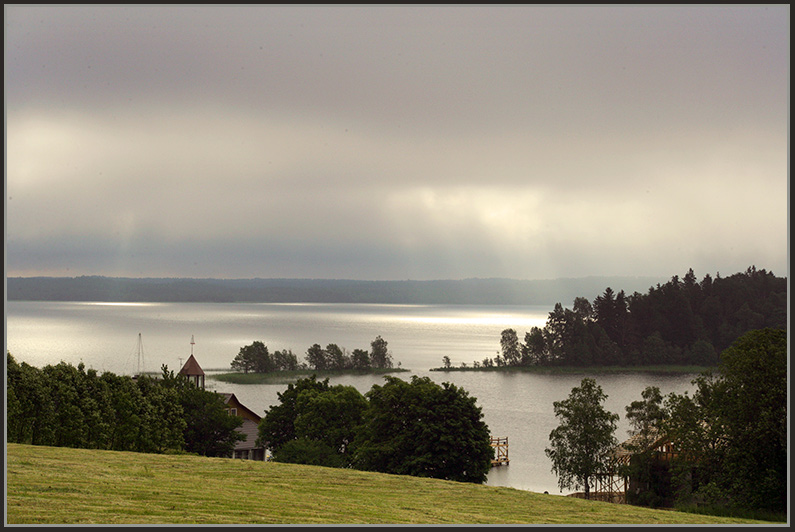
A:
x: 497, y: 319
x: 117, y: 304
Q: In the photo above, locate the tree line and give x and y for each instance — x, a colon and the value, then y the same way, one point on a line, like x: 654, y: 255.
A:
x: 729, y: 438
x: 413, y: 428
x: 683, y: 322
x: 257, y: 358
x: 66, y: 406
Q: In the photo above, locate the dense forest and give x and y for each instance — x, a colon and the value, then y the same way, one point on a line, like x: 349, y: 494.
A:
x: 683, y: 321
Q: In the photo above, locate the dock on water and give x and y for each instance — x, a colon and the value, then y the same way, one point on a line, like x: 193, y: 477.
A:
x: 500, y: 451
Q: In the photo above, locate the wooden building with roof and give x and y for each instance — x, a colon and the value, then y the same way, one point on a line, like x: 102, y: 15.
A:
x: 193, y: 371
x: 615, y: 484
x: 245, y: 449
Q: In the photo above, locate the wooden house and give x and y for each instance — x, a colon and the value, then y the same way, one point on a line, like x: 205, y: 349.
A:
x: 246, y: 449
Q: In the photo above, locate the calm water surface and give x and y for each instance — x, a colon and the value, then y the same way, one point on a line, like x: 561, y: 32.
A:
x: 104, y: 336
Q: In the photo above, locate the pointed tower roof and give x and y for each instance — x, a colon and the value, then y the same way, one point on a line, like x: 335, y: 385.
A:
x: 191, y: 368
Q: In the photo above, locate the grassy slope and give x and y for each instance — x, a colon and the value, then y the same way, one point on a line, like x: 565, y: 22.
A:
x: 61, y: 485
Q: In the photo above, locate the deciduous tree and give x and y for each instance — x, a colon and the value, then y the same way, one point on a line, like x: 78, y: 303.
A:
x: 360, y: 359
x: 509, y: 342
x: 423, y: 429
x: 379, y: 354
x: 254, y: 357
x: 316, y: 357
x: 209, y: 429
x: 277, y: 427
x: 581, y: 445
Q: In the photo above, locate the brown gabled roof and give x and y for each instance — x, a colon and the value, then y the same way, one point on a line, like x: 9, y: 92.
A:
x: 191, y: 368
x: 231, y: 398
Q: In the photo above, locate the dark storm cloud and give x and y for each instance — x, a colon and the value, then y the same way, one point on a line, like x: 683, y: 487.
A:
x: 396, y: 141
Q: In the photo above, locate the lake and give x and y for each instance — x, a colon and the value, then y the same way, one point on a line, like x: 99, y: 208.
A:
x: 104, y: 336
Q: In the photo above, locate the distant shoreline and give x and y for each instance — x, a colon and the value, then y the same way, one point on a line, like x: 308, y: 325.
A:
x: 188, y: 290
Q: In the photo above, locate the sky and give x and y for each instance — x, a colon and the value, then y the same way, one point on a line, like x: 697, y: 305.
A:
x: 392, y: 142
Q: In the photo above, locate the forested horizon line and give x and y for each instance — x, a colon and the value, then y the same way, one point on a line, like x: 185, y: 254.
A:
x: 496, y: 291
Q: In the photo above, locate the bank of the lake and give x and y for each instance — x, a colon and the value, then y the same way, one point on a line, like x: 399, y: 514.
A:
x: 287, y: 377
x: 290, y: 376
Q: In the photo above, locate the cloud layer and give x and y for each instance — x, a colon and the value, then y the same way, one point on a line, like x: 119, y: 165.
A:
x: 396, y: 142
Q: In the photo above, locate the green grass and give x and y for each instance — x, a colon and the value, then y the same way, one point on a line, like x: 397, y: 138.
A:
x: 80, y: 486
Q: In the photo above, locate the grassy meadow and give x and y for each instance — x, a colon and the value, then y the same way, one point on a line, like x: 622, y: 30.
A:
x: 51, y: 485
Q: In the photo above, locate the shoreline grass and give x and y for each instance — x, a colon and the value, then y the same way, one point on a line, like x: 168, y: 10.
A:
x: 286, y: 377
x: 51, y: 485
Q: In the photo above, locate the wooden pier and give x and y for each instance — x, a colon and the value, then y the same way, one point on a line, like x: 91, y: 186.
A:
x: 500, y: 451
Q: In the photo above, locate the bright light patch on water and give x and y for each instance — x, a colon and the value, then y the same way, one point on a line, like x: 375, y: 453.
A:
x: 491, y: 319
x: 117, y: 304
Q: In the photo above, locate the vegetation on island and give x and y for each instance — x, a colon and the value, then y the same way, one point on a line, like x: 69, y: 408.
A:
x: 729, y: 439
x: 290, y: 376
x: 255, y: 364
x: 682, y: 322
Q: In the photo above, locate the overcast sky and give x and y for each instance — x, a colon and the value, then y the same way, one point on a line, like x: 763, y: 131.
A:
x: 396, y: 142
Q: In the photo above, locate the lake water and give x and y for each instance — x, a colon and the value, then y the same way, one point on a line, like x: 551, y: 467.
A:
x: 104, y: 336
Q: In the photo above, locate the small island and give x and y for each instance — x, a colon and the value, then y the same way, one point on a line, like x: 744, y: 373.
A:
x: 255, y: 364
